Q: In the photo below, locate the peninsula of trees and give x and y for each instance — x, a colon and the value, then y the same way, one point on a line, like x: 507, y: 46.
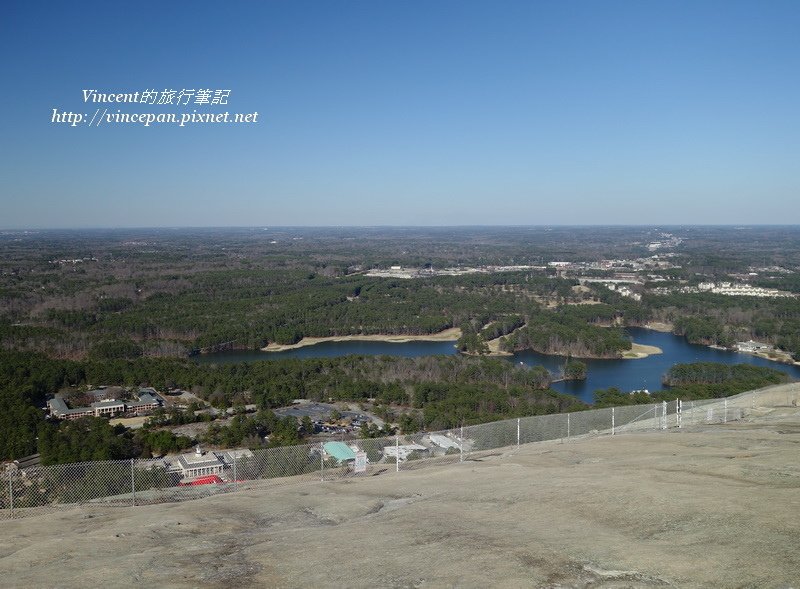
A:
x: 130, y: 307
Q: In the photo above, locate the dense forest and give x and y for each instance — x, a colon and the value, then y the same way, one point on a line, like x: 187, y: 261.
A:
x: 429, y: 393
x: 706, y: 318
x: 129, y: 307
x: 572, y: 331
x: 125, y: 294
x: 422, y: 393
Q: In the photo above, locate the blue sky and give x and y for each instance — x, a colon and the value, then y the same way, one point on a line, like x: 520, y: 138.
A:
x: 407, y: 113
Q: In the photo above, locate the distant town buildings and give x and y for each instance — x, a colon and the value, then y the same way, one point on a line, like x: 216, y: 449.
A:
x: 668, y: 241
x: 738, y: 290
x: 408, y: 273
x: 621, y: 284
x: 655, y: 262
x: 73, y: 261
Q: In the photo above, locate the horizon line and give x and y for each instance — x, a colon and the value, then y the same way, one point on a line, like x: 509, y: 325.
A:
x: 387, y: 226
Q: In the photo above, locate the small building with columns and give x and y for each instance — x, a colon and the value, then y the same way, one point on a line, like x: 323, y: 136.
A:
x: 199, y: 463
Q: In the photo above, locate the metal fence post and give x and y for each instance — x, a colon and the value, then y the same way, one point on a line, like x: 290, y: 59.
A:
x: 235, y: 478
x: 133, y: 483
x: 612, y: 421
x: 517, y: 433
x: 678, y: 411
x: 725, y: 414
x: 322, y: 463
x: 461, y: 445
x: 397, y: 454
x: 568, y: 426
x: 11, y: 493
x: 663, y: 415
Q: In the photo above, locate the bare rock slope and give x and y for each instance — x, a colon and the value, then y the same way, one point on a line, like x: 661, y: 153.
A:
x: 713, y: 506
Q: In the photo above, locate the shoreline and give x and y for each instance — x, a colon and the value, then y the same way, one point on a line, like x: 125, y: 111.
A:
x: 494, y: 346
x: 638, y: 351
x: 779, y: 357
x: 657, y: 326
x: 782, y: 358
x: 451, y: 334
x: 491, y: 354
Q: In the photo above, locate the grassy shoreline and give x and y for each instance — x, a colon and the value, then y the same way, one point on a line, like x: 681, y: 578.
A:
x: 637, y: 350
x: 641, y: 351
x: 451, y: 334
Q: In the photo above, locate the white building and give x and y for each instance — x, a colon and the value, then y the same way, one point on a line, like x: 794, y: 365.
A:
x: 148, y: 401
x: 402, y: 453
x: 199, y: 463
x: 753, y: 346
x: 444, y: 442
x: 228, y: 457
x: 110, y: 407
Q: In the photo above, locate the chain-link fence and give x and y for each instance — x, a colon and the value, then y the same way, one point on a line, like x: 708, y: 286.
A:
x: 42, y: 489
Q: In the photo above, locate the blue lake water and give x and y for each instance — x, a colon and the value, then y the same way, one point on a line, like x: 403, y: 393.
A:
x: 334, y: 350
x: 627, y: 375
x: 644, y: 373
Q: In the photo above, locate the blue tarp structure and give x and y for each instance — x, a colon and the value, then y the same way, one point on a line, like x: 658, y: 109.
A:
x: 339, y: 450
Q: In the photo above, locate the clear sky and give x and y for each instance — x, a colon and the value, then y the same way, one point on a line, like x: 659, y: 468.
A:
x: 423, y: 112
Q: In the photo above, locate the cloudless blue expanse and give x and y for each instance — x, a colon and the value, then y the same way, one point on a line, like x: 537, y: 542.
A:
x: 406, y: 113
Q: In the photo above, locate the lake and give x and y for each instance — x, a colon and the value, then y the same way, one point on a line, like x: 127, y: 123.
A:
x: 627, y: 375
x: 644, y: 373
